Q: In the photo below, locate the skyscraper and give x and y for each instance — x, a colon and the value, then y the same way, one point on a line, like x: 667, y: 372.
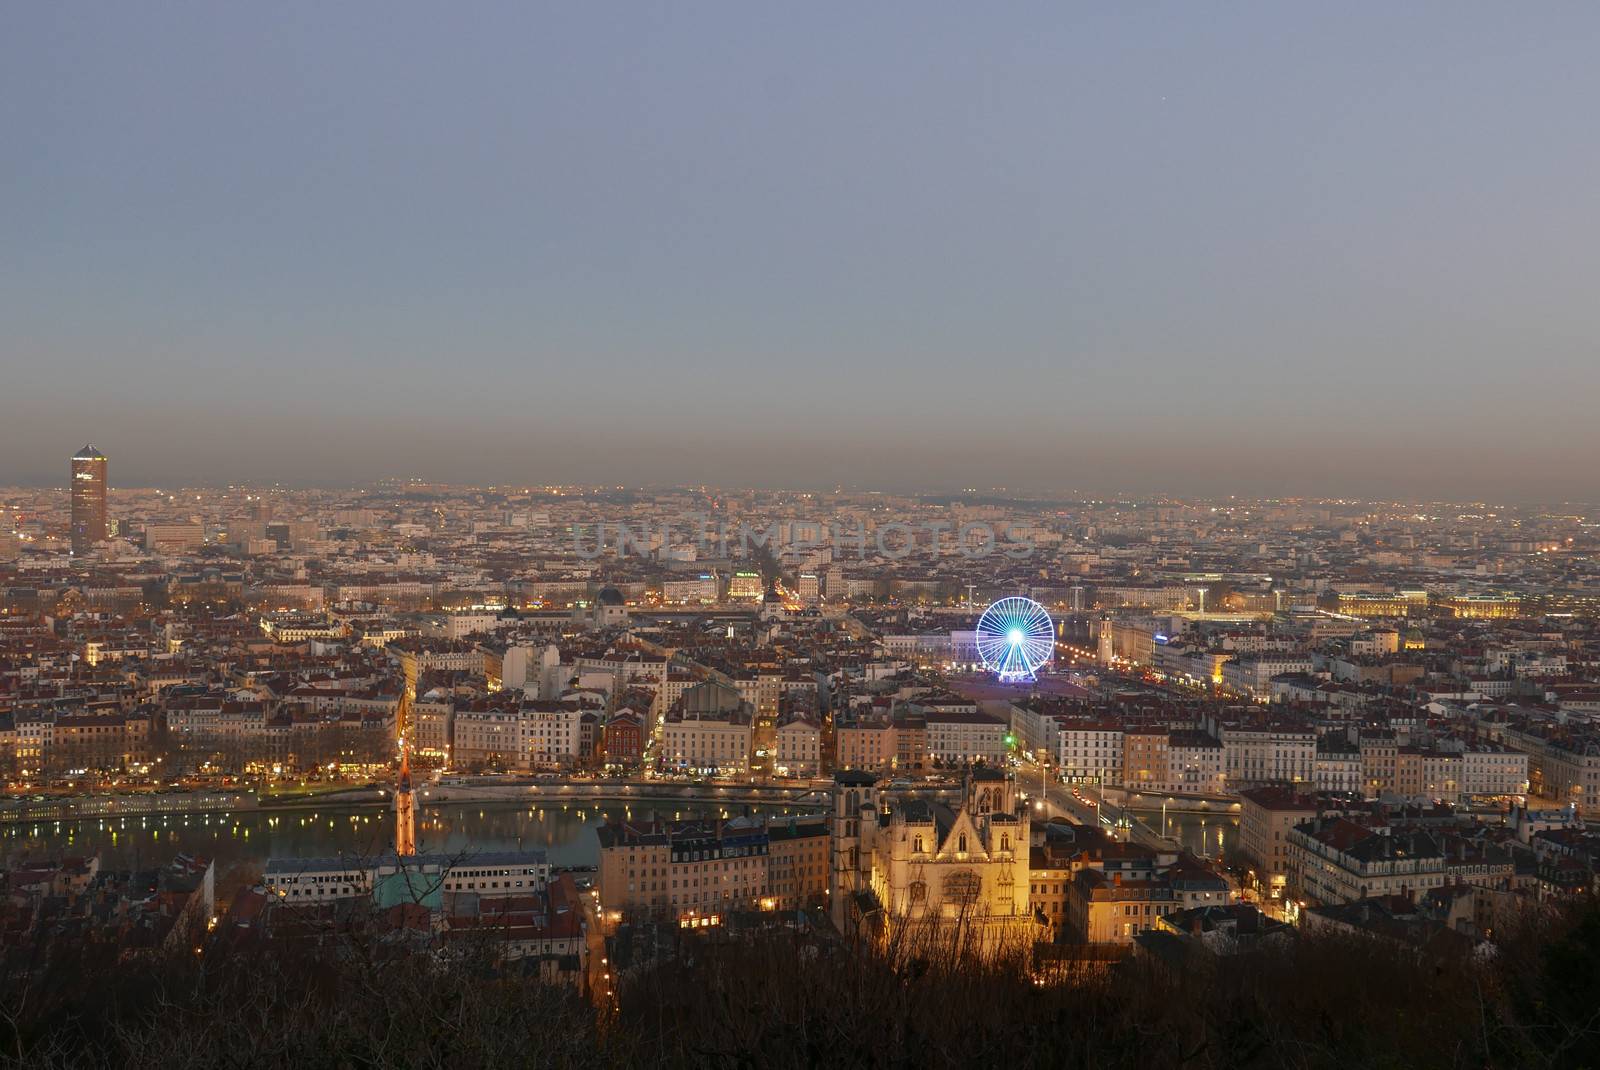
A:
x: 88, y: 498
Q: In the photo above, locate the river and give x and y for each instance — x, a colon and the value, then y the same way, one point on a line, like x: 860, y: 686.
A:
x: 1206, y: 835
x: 241, y: 842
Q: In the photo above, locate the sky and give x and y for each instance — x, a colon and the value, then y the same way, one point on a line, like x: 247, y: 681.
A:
x: 1251, y: 248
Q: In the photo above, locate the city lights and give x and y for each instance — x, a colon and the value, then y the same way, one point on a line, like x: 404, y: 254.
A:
x: 1015, y: 637
x: 768, y: 535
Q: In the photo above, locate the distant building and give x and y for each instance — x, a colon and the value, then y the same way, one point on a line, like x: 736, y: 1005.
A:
x: 433, y: 727
x: 745, y: 586
x: 624, y: 738
x: 553, y: 734
x: 701, y: 589
x: 610, y: 609
x: 867, y: 743
x: 709, y: 730
x: 799, y: 748
x: 489, y: 735
x: 174, y: 536
x: 88, y: 499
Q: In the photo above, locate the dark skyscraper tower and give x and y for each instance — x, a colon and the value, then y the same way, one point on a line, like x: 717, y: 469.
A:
x: 88, y: 498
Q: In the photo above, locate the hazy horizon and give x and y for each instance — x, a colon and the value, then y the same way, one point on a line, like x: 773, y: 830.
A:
x: 974, y: 495
x: 1165, y: 250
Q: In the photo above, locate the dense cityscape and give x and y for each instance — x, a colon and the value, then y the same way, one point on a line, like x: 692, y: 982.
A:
x: 738, y: 536
x: 1250, y: 723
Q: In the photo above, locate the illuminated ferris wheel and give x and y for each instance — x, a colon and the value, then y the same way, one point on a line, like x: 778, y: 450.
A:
x: 1015, y: 637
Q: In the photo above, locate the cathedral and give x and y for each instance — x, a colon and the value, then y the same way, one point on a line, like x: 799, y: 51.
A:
x: 912, y: 869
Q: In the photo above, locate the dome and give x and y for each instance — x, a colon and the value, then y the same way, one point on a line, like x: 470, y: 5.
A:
x: 609, y: 596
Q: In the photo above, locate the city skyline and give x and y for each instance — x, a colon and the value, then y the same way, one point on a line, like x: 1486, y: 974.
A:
x: 1039, y: 495
x: 1170, y: 251
x: 576, y: 742
x: 905, y: 534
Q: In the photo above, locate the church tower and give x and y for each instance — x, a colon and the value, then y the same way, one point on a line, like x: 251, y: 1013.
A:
x: 850, y: 846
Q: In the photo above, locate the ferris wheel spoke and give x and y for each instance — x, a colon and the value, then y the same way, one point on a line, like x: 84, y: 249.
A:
x: 1014, y: 637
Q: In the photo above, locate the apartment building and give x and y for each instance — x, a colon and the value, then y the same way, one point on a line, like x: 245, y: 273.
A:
x: 958, y: 737
x: 799, y: 748
x: 692, y: 870
x: 1090, y: 752
x: 1335, y: 860
x: 1266, y: 817
x: 1267, y: 752
x: 1145, y: 753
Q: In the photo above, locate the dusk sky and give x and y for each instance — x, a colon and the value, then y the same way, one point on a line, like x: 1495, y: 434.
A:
x: 1190, y: 248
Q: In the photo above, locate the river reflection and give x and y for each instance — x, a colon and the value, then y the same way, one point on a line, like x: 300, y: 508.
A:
x: 564, y: 832
x: 1206, y: 835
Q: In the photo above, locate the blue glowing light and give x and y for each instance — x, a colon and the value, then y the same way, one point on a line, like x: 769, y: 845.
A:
x: 1015, y: 637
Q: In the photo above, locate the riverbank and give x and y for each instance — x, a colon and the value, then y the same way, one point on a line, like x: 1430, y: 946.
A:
x: 90, y: 807
x: 248, y: 839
